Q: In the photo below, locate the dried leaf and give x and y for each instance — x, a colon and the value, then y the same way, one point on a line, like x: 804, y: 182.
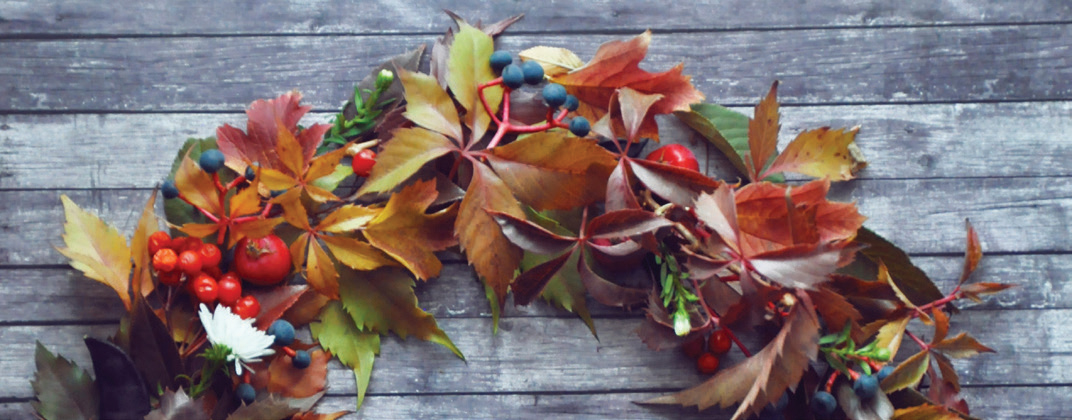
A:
x: 763, y: 133
x: 96, y: 249
x: 405, y: 153
x: 485, y: 246
x: 404, y: 231
x: 972, y: 253
x: 565, y: 289
x: 429, y: 106
x: 553, y: 170
x: 908, y: 373
x: 356, y: 349
x: 924, y: 412
x: 821, y: 153
x: 949, y: 373
x: 268, y: 120
x: 620, y: 189
x: 961, y: 347
x: 762, y: 378
x: 63, y: 391
x: 555, y: 61
x: 347, y: 218
x: 178, y: 406
x: 469, y: 68
x: 284, y: 379
x: 536, y: 277
x: 276, y: 301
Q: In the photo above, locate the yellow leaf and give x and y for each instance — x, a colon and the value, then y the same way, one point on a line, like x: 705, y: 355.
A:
x: 196, y: 186
x: 320, y: 271
x: 293, y: 210
x: 96, y: 249
x: 247, y: 201
x: 320, y: 195
x: 289, y: 150
x: 405, y: 232
x: 821, y: 153
x: 298, y: 249
x: 555, y: 61
x: 199, y: 230
x: 324, y: 164
x: 428, y: 105
x: 276, y: 180
x: 347, y: 218
x: 890, y: 335
x: 142, y: 283
x: 258, y: 228
x: 356, y: 254
x: 468, y: 63
x: 405, y: 153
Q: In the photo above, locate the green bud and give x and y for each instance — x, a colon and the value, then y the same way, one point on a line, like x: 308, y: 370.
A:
x: 384, y: 79
x: 682, y: 326
x: 881, y: 354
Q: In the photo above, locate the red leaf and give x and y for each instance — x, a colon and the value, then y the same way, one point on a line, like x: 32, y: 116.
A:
x: 266, y: 120
x: 677, y: 185
x: 528, y: 286
x: 620, y: 190
x: 625, y: 223
x: 487, y: 249
x: 275, y: 302
x: 530, y: 236
x: 606, y: 292
x: 763, y: 132
x: 972, y: 254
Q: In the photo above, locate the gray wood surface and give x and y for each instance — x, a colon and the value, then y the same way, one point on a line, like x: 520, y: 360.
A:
x: 965, y: 111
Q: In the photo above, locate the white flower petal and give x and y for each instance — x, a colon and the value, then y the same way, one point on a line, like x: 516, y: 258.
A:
x: 247, y: 344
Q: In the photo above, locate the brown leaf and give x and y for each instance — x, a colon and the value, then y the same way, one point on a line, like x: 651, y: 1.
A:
x: 405, y: 153
x: 268, y: 120
x: 924, y: 412
x: 284, y: 379
x: 763, y: 133
x: 961, y: 347
x: 802, y: 267
x: 625, y: 223
x: 96, y: 249
x: 762, y: 378
x: 972, y: 254
x: 821, y: 153
x: 319, y: 416
x: 530, y: 236
x: 949, y: 373
x: 917, y: 287
x: 677, y: 185
x: 531, y: 282
x: 196, y: 186
x: 620, y: 189
x: 553, y: 170
x: 834, y: 308
x: 616, y: 65
x: 142, y: 282
x: 179, y: 406
x: 429, y: 106
x: 404, y: 231
x: 974, y: 290
x: 908, y: 373
x: 276, y: 301
x: 605, y: 291
x: 941, y: 325
x: 485, y: 246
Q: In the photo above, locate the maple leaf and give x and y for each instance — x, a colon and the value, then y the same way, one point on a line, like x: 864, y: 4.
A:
x: 552, y: 170
x: 96, y: 249
x: 383, y: 301
x: 176, y: 405
x: 762, y: 378
x: 357, y: 349
x: 405, y: 232
x: 62, y: 390
x: 616, y: 65
x: 269, y: 121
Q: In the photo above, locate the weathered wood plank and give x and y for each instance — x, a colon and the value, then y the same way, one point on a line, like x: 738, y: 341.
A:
x: 526, y: 356
x: 80, y: 17
x: 931, y: 64
x: 57, y: 295
x: 985, y: 402
x: 921, y: 216
x: 900, y: 141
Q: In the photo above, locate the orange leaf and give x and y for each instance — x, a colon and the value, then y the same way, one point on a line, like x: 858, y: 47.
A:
x: 428, y: 105
x: 289, y: 151
x: 142, y: 282
x: 972, y: 254
x: 273, y: 179
x: 405, y: 153
x: 199, y: 230
x: 616, y: 65
x: 961, y: 347
x: 821, y: 153
x: 197, y: 186
x: 96, y: 249
x: 324, y: 164
x: 405, y: 232
x: 553, y: 170
x: 293, y: 210
x: 258, y: 228
x: 290, y: 382
x: 247, y: 201
x: 356, y: 254
x: 763, y: 132
x: 298, y: 249
x: 493, y: 256
x: 320, y: 271
x: 347, y: 218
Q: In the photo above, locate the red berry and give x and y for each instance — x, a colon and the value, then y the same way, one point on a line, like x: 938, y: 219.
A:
x: 165, y: 260
x: 230, y: 288
x: 172, y: 278
x: 159, y: 240
x: 190, y: 262
x: 707, y: 363
x: 363, y: 162
x: 210, y: 255
x: 247, y: 307
x: 694, y: 347
x: 205, y: 289
x: 262, y: 261
x: 720, y: 342
x: 675, y: 155
x: 186, y: 244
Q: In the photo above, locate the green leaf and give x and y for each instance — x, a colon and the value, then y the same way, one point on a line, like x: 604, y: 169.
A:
x: 332, y: 180
x: 496, y: 310
x: 469, y: 68
x: 63, y: 391
x: 565, y: 290
x: 908, y: 373
x: 383, y: 301
x: 915, y: 284
x: 355, y: 348
x: 725, y: 128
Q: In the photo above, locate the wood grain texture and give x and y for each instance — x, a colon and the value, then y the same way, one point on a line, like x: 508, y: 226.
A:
x: 899, y: 141
x: 526, y: 356
x: 929, y: 64
x: 158, y: 17
x: 986, y: 402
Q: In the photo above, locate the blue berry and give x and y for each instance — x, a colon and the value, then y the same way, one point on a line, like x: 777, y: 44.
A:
x: 250, y: 173
x: 211, y: 160
x: 533, y: 72
x: 886, y: 371
x: 276, y: 193
x: 499, y: 60
x: 571, y: 103
x: 283, y: 332
x: 169, y: 190
x: 246, y: 393
x: 579, y: 126
x: 865, y: 387
x: 302, y: 359
x: 823, y: 404
x: 512, y: 76
x: 554, y: 95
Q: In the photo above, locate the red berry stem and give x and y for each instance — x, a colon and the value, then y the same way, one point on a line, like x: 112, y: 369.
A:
x: 830, y: 382
x: 235, y: 183
x: 484, y: 101
x: 922, y: 345
x: 289, y: 351
x: 207, y: 214
x: 714, y: 320
x: 940, y: 303
x: 504, y: 125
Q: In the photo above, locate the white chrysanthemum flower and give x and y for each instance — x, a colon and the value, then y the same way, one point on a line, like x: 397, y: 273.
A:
x: 243, y: 343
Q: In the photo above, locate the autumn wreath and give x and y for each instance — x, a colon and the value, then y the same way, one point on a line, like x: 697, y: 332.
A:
x: 291, y: 244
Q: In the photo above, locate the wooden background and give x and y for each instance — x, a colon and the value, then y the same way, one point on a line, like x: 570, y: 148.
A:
x: 965, y: 108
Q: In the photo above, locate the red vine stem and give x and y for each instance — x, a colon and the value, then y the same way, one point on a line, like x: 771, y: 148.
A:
x: 713, y: 318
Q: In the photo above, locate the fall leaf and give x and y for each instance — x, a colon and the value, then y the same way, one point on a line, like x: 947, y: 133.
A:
x: 917, y: 287
x: 821, y: 153
x: 298, y: 174
x: 762, y: 378
x: 441, y: 48
x: 383, y: 301
x: 123, y: 393
x: 488, y: 251
x: 908, y: 373
x: 357, y: 349
x: 270, y: 408
x: 269, y: 121
x: 142, y: 282
x: 429, y: 106
x: 405, y: 153
x: 972, y: 254
x: 404, y: 231
x: 924, y: 412
x: 616, y: 65
x: 553, y: 170
x: 763, y: 133
x: 176, y: 405
x: 555, y: 61
x: 565, y: 289
x: 723, y: 127
x: 890, y: 335
x: 282, y: 378
x: 62, y: 390
x: 469, y: 69
x: 961, y: 347
x: 320, y: 271
x: 96, y: 249
x: 319, y: 416
x: 677, y: 185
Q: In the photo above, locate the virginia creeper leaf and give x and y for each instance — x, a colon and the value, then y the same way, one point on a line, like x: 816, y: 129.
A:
x: 429, y: 106
x: 320, y: 271
x: 406, y: 152
x: 268, y: 120
x: 141, y: 284
x: 763, y: 133
x: 677, y: 185
x: 890, y: 335
x: 357, y: 349
x: 535, y: 278
x: 283, y: 379
x: 176, y: 405
x: 555, y: 61
x: 924, y: 412
x: 723, y: 127
x: 821, y: 153
x: 485, y: 246
x: 531, y: 236
x: 63, y: 391
x: 96, y: 249
x: 909, y: 279
x: 469, y: 68
x: 565, y: 289
x: 605, y: 291
x: 357, y: 254
x: 404, y: 231
x: 347, y: 218
x: 553, y: 170
x: 121, y: 387
x: 270, y: 408
x: 908, y: 373
x: 961, y: 347
x: 625, y: 223
x: 972, y: 254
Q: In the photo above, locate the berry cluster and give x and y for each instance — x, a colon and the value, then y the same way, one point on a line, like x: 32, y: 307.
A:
x: 706, y: 350
x: 189, y: 262
x: 556, y: 98
x: 283, y: 331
